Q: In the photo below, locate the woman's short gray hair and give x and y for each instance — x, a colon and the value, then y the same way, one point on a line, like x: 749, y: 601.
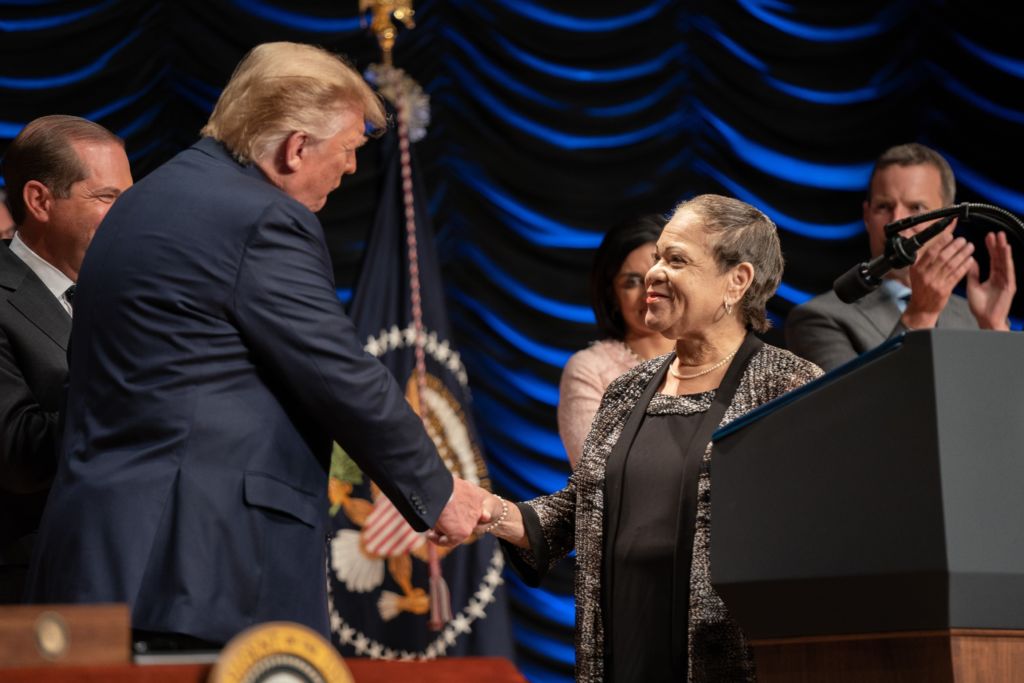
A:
x: 280, y: 88
x: 742, y: 233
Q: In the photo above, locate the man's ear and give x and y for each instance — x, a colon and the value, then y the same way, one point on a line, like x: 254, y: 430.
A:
x: 38, y: 201
x: 294, y: 150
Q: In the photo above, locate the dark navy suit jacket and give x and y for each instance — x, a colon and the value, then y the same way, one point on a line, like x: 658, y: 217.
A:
x: 211, y: 366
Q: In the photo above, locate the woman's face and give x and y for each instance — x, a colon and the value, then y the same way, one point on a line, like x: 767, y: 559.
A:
x: 685, y: 290
x: 630, y: 290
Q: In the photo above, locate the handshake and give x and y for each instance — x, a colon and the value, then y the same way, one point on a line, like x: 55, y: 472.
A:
x: 473, y: 510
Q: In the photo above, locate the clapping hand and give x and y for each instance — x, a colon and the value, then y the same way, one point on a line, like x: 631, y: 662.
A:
x: 990, y: 300
x: 941, y: 264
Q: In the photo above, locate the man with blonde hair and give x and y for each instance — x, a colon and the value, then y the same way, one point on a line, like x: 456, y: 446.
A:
x: 213, y: 366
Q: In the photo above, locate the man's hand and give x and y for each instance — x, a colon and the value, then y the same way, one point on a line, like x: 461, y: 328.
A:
x: 941, y: 263
x: 463, y: 513
x: 990, y: 300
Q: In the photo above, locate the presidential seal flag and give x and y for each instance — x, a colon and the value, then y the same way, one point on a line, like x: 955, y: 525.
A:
x: 379, y: 567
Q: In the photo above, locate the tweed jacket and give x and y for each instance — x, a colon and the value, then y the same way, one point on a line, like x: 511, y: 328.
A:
x: 574, y: 517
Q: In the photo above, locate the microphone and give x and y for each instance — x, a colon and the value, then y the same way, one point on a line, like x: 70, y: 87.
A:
x: 899, y: 253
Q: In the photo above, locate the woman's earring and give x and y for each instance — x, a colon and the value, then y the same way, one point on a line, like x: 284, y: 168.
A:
x: 728, y: 307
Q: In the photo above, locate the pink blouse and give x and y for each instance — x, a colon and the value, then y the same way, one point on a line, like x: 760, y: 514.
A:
x: 584, y: 379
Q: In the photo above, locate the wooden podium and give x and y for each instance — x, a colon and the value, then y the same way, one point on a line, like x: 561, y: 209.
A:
x: 91, y: 644
x: 445, y: 670
x: 870, y: 526
x: 950, y: 656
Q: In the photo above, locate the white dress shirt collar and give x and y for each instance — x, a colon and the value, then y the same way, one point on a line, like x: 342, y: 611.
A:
x: 55, y: 281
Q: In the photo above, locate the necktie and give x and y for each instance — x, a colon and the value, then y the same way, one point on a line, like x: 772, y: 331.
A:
x: 69, y: 296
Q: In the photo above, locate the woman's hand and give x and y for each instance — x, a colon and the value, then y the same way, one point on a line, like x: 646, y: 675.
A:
x: 506, y: 522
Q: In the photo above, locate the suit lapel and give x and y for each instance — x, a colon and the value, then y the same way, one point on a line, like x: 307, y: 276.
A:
x: 34, y: 301
x: 880, y: 312
x: 883, y: 314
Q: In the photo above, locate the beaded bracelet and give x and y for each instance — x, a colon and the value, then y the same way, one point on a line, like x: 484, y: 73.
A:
x: 501, y: 518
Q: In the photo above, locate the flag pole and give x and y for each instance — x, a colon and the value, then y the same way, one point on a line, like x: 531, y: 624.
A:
x: 406, y: 95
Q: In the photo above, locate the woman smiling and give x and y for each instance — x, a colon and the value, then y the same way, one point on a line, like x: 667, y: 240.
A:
x: 637, y: 509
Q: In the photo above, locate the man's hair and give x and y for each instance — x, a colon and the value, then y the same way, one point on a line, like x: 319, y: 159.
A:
x: 617, y: 244
x: 916, y: 154
x: 742, y: 233
x: 43, y: 152
x: 280, y: 88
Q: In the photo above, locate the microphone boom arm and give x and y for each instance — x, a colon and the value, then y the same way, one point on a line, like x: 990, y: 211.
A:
x: 965, y: 211
x: 902, y: 251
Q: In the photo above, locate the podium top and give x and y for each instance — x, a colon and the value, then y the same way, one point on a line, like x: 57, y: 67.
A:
x: 884, y: 349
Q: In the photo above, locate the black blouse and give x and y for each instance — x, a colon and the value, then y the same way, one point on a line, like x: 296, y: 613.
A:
x: 638, y: 562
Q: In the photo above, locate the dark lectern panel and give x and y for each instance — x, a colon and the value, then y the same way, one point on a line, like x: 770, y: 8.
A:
x: 860, y: 504
x: 980, y: 401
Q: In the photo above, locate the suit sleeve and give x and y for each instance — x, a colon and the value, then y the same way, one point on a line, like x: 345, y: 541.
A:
x: 288, y: 313
x: 28, y: 434
x: 813, y: 334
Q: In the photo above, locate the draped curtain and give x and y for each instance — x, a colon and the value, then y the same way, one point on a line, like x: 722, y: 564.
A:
x: 552, y: 120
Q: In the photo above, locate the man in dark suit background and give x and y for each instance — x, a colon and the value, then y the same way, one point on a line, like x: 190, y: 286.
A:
x: 908, y: 180
x: 212, y: 366
x: 62, y: 174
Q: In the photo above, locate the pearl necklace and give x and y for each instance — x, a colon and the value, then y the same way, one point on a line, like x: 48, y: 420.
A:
x: 702, y: 372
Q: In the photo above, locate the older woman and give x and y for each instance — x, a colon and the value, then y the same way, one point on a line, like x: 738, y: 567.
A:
x: 637, y: 507
x: 618, y: 297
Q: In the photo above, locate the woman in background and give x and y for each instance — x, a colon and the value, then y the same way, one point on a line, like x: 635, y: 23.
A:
x: 617, y: 297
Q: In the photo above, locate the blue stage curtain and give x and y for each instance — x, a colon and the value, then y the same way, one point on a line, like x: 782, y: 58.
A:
x: 552, y: 120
